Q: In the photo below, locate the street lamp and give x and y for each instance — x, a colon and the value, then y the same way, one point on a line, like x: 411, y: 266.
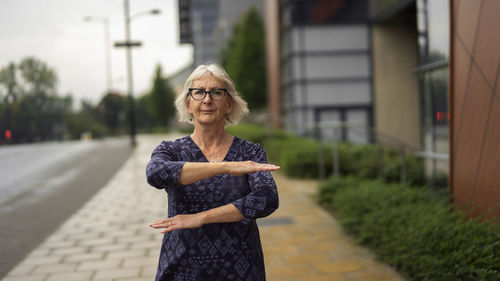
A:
x: 107, y: 50
x: 129, y: 45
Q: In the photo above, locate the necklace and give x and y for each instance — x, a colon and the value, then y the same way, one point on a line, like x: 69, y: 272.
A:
x: 213, y: 158
x: 217, y: 155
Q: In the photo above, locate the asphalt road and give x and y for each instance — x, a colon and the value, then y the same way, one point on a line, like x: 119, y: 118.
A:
x: 41, y: 185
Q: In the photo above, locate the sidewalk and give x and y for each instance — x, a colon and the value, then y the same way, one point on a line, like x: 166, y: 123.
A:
x: 109, y: 238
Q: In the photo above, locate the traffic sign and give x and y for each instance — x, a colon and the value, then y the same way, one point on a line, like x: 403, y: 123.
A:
x: 129, y: 44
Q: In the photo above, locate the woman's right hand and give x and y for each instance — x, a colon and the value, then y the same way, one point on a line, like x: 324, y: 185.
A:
x: 247, y: 167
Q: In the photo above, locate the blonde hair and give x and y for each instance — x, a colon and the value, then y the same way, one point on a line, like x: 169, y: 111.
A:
x: 240, y: 108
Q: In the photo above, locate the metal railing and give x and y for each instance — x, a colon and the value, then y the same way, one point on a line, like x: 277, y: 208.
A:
x: 381, y: 139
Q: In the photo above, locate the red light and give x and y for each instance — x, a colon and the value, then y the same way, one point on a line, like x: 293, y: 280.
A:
x: 8, y: 134
x: 440, y: 116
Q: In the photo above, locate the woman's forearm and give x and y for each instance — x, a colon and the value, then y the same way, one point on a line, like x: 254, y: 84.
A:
x: 226, y: 213
x: 194, y: 171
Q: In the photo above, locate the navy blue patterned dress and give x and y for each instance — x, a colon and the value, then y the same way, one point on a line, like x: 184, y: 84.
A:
x: 218, y: 251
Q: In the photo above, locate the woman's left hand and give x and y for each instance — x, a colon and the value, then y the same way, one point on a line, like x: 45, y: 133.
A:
x: 178, y: 222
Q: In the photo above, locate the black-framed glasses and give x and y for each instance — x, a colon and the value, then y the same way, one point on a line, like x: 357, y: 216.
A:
x: 216, y: 94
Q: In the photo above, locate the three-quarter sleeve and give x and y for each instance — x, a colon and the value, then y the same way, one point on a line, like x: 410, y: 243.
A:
x: 263, y: 197
x: 163, y: 170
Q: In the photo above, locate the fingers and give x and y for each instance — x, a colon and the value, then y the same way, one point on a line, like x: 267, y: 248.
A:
x: 270, y: 167
x: 264, y: 167
x: 167, y: 224
x: 247, y: 167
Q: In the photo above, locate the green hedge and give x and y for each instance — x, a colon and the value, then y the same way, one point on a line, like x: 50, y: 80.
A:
x: 249, y: 132
x: 415, y: 230
x: 257, y: 134
x: 299, y: 156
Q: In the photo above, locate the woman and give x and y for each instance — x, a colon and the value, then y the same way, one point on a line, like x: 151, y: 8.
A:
x: 217, y: 186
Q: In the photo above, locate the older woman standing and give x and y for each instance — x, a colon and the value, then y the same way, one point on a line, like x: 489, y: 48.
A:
x: 217, y: 186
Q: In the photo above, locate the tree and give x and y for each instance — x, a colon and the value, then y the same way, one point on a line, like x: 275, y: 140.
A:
x: 161, y: 97
x: 113, y: 111
x: 244, y: 58
x: 8, y: 79
x: 38, y: 77
x: 32, y: 110
x: 84, y: 121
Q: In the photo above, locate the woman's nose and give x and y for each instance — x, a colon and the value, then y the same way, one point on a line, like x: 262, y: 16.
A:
x: 207, y: 98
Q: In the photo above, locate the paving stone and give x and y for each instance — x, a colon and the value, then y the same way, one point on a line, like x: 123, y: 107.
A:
x: 26, y: 278
x: 53, y: 268
x: 96, y: 242
x: 140, y: 261
x: 126, y: 254
x: 22, y: 269
x: 142, y: 278
x: 98, y: 265
x: 42, y: 260
x: 116, y: 273
x: 57, y: 244
x: 150, y: 271
x: 73, y: 276
x: 69, y: 251
x: 39, y: 252
x: 84, y: 257
x: 149, y: 244
x: 109, y: 248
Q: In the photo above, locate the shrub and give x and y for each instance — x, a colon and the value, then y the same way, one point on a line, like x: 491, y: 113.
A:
x: 415, y: 230
x: 328, y: 188
x: 299, y: 158
x: 257, y: 134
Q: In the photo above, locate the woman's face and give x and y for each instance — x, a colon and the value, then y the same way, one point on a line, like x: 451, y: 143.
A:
x: 208, y: 111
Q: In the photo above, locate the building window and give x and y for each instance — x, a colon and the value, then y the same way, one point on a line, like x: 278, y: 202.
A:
x: 433, y: 43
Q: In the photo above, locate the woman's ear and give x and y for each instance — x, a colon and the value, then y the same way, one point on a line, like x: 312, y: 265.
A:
x: 188, y: 108
x: 229, y: 108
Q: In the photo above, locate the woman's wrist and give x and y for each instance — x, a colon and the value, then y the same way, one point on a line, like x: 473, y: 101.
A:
x: 223, y: 168
x: 203, y: 217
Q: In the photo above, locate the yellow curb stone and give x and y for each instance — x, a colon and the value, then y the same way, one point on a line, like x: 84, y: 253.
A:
x: 305, y: 258
x: 338, y: 267
x: 329, y: 277
x: 289, y: 271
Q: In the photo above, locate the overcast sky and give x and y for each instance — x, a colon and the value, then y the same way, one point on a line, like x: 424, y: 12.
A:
x: 54, y: 31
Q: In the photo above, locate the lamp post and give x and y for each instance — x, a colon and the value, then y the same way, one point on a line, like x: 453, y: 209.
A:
x: 107, y: 50
x: 128, y: 44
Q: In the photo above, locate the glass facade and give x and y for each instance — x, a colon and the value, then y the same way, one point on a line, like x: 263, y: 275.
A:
x: 325, y: 62
x: 433, y: 41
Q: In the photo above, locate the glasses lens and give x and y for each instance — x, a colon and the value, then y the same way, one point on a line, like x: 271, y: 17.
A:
x: 216, y: 94
x: 198, y: 94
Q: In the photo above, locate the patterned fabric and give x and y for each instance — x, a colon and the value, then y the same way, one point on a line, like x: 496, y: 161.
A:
x: 219, y: 251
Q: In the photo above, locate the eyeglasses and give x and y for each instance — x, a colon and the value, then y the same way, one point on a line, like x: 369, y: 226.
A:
x: 200, y: 94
